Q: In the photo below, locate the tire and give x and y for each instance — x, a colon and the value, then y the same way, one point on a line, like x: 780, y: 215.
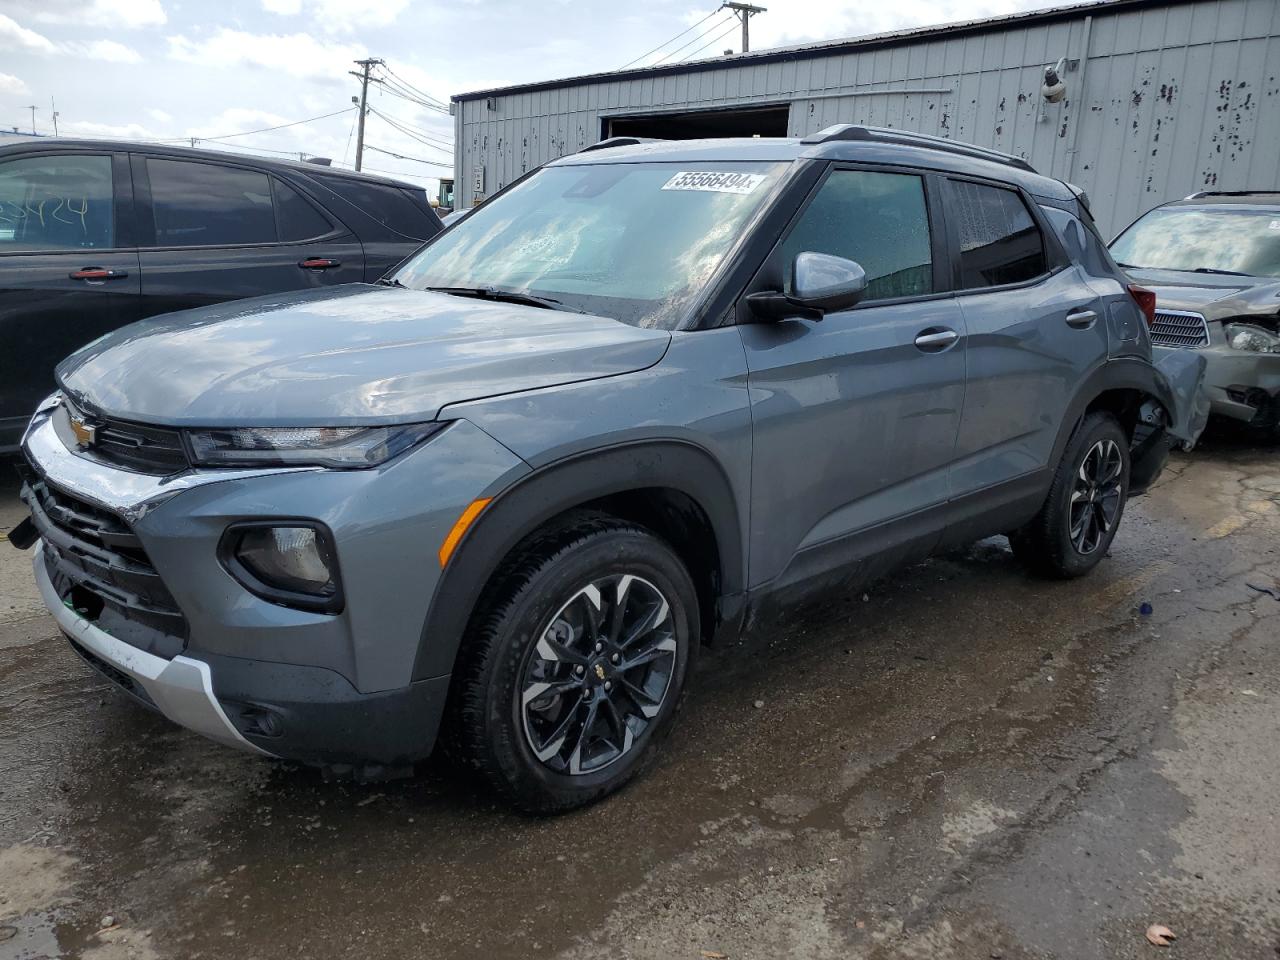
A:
x: 1056, y: 543
x: 528, y: 671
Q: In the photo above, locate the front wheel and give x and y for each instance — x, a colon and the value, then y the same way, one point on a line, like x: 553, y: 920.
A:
x: 1073, y: 530
x: 575, y: 664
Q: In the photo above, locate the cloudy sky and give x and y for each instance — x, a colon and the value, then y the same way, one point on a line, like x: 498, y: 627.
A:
x: 169, y: 69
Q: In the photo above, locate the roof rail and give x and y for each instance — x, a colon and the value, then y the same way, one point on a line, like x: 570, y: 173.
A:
x: 854, y: 131
x: 611, y: 142
x: 1230, y: 193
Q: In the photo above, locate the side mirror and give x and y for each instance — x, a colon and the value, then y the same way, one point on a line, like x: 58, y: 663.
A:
x: 820, y: 283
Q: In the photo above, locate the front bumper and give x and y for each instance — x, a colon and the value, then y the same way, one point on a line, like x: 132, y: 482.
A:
x: 1241, y: 384
x: 330, y: 689
x: 180, y: 688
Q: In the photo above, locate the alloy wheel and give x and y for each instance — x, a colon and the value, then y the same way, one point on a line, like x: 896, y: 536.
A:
x: 1095, y: 496
x: 598, y: 675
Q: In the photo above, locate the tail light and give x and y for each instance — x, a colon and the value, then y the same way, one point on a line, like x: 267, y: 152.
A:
x: 1146, y: 301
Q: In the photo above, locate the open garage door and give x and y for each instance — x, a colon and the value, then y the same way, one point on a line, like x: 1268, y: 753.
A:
x: 692, y: 125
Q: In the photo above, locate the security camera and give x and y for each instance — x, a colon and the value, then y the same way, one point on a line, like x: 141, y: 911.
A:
x: 1053, y: 89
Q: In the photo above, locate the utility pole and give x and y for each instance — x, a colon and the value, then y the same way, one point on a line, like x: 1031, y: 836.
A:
x: 363, y: 77
x: 53, y: 109
x: 32, y: 108
x: 744, y: 12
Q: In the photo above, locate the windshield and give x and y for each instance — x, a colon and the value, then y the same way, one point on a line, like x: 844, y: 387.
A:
x: 633, y: 241
x: 1231, y: 240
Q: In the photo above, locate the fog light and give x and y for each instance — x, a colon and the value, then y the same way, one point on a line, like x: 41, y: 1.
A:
x: 291, y: 565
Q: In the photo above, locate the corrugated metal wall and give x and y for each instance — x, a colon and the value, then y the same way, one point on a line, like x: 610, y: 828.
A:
x: 1176, y: 98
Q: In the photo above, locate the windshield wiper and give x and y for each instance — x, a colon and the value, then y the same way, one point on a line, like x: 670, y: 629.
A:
x: 389, y: 282
x: 1227, y: 273
x: 504, y: 296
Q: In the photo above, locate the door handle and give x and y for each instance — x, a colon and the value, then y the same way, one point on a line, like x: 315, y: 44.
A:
x: 319, y: 263
x: 97, y: 274
x: 1082, y: 319
x: 936, y: 339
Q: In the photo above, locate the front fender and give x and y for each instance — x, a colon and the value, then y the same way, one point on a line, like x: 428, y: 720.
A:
x: 559, y: 487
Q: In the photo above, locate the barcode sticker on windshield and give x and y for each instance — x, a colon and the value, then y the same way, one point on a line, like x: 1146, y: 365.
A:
x: 715, y: 182
x: 1275, y: 225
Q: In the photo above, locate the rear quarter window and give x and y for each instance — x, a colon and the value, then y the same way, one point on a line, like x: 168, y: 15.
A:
x: 401, y: 210
x: 999, y: 240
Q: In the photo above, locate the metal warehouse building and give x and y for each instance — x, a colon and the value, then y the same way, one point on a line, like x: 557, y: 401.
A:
x: 1162, y: 99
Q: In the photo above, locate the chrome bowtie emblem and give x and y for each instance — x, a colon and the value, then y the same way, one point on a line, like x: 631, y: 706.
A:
x: 599, y: 671
x: 86, y: 433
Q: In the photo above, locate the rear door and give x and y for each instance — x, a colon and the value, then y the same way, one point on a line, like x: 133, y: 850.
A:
x: 1035, y: 327
x: 393, y: 220
x: 855, y: 416
x: 68, y: 268
x: 213, y: 231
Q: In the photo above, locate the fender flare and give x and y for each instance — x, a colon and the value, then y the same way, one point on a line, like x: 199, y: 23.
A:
x: 1126, y: 373
x: 551, y: 490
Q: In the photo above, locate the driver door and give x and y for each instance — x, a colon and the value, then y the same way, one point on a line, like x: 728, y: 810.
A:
x: 855, y: 416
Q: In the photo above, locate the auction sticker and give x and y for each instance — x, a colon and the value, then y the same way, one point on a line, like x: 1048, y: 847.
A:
x: 715, y: 182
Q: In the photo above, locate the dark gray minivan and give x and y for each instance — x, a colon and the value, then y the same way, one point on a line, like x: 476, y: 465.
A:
x: 641, y: 397
x: 96, y: 234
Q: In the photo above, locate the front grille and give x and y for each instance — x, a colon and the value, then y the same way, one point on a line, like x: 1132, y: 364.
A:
x: 100, y: 569
x: 1174, y: 328
x: 134, y: 446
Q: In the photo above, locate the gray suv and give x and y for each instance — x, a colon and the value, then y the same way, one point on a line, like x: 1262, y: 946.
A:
x: 644, y: 396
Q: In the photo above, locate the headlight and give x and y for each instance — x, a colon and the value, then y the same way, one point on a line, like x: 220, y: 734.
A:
x: 340, y: 447
x: 1246, y: 336
x: 287, y: 562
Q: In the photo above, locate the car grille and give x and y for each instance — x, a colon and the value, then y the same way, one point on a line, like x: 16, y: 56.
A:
x: 100, y: 569
x: 1173, y: 328
x: 134, y: 446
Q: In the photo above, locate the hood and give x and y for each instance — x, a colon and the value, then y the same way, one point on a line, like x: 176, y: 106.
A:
x: 1215, y: 295
x: 355, y: 354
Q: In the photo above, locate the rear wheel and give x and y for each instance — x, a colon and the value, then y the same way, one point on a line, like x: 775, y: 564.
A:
x: 1073, y: 530
x: 575, y: 664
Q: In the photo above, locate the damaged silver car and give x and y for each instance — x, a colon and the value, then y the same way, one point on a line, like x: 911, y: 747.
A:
x: 1213, y: 261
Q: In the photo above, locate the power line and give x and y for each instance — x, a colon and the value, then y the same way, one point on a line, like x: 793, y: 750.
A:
x: 397, y: 91
x: 245, y: 133
x: 401, y: 156
x: 412, y: 89
x: 713, y: 41
x: 715, y: 26
x: 424, y: 140
x: 676, y: 37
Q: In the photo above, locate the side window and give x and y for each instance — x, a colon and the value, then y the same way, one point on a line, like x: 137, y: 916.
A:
x: 298, y: 218
x: 877, y: 219
x: 999, y: 241
x: 405, y: 213
x: 204, y: 204
x: 56, y: 202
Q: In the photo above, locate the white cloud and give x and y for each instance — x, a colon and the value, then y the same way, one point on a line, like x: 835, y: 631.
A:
x: 297, y: 54
x: 11, y: 84
x: 13, y: 34
x: 806, y: 21
x: 93, y: 13
x: 344, y: 16
x: 159, y: 115
x: 118, y: 131
x: 108, y: 50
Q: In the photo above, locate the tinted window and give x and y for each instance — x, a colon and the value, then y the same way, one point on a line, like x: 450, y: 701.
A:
x: 56, y: 203
x: 877, y: 219
x: 999, y: 242
x: 204, y: 204
x: 299, y: 219
x: 393, y: 207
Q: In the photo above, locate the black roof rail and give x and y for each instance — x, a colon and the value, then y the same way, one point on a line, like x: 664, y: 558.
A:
x: 854, y: 131
x: 1230, y: 193
x: 611, y: 142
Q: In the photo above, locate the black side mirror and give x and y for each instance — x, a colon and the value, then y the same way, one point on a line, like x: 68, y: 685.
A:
x: 820, y: 283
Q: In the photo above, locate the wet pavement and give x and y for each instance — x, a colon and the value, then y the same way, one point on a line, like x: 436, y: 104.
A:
x: 963, y: 762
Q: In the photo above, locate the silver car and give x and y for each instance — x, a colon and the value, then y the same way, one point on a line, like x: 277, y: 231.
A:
x: 1213, y: 261
x: 635, y: 403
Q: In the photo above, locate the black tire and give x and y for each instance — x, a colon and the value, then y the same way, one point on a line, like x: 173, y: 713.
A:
x: 1057, y: 543
x: 543, y: 591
